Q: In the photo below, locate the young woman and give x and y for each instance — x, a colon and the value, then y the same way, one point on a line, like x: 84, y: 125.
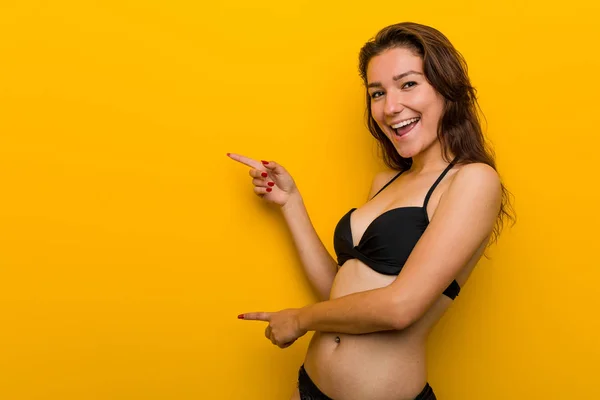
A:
x: 403, y: 256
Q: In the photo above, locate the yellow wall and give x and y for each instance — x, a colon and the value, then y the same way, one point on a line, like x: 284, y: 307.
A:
x: 129, y: 242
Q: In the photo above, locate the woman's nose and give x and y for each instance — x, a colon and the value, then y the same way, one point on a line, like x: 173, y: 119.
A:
x: 393, y: 104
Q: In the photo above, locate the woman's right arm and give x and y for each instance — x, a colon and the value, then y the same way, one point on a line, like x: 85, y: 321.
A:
x: 319, y: 266
x: 275, y: 185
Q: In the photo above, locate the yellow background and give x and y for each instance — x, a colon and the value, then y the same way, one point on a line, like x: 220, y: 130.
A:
x: 129, y: 242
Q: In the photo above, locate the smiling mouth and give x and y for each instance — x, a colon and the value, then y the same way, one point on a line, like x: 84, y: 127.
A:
x: 402, y: 128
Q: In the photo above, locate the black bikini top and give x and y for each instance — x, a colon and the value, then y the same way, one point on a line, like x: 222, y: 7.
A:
x: 389, y: 239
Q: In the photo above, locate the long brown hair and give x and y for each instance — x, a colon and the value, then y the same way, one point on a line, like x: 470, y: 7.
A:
x: 459, y: 130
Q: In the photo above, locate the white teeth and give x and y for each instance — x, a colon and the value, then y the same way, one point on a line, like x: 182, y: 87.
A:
x: 404, y: 123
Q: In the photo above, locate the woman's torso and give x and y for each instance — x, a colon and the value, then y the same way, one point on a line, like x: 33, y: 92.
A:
x: 386, y: 365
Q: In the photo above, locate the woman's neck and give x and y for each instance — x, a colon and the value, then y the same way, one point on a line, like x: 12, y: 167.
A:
x: 430, y: 160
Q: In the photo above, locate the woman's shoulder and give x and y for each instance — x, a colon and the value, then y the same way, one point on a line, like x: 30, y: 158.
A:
x: 477, y: 181
x: 476, y: 173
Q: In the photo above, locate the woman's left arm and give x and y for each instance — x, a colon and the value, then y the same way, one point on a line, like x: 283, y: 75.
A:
x: 462, y: 221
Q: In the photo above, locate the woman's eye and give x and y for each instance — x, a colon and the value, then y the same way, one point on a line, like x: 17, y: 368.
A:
x: 375, y: 95
x: 411, y: 83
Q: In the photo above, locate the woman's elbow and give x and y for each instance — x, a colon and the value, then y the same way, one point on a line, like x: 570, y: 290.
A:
x: 403, y: 315
x: 400, y: 321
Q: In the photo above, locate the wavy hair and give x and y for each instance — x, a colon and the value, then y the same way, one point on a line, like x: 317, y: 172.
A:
x: 459, y: 129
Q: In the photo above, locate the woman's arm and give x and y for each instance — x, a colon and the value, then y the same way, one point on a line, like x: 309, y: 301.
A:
x: 319, y: 266
x: 463, y: 221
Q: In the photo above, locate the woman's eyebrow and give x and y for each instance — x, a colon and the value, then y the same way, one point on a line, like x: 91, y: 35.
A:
x: 395, y: 78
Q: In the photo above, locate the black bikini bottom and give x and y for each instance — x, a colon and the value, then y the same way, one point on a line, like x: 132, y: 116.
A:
x: 310, y: 391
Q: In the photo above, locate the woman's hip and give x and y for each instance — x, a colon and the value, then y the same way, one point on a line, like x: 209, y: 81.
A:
x: 309, y: 390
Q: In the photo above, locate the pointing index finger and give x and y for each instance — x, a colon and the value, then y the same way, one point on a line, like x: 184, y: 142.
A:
x: 256, y: 316
x: 246, y: 161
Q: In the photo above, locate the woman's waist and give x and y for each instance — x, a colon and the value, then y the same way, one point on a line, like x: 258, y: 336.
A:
x: 355, y: 276
x: 384, y: 348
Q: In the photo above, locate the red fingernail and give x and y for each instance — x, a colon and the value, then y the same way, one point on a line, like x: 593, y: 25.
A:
x: 228, y: 154
x: 241, y: 316
x: 269, y: 189
x: 264, y: 174
x: 264, y: 162
x: 271, y: 183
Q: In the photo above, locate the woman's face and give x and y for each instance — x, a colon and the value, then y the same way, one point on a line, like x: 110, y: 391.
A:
x: 403, y: 103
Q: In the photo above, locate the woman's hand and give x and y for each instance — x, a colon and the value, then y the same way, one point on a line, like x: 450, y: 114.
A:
x: 284, y: 326
x: 271, y: 181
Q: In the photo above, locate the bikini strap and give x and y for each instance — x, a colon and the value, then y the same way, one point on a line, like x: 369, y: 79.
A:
x: 387, y: 184
x: 439, y: 179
